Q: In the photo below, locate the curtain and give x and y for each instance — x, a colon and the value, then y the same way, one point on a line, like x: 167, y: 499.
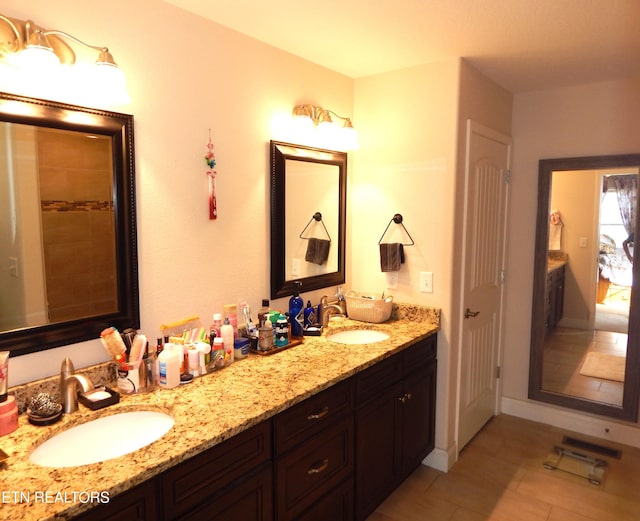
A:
x: 626, y: 187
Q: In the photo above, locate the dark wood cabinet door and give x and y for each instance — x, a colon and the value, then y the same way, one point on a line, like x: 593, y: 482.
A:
x: 418, y: 417
x: 377, y: 450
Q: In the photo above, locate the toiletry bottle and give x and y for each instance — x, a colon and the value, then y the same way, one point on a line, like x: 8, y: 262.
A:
x: 282, y: 332
x: 295, y: 312
x: 217, y: 351
x: 169, y: 366
x: 227, y: 337
x: 230, y: 311
x: 216, y: 325
x: 263, y: 312
x: 309, y: 315
x: 265, y: 336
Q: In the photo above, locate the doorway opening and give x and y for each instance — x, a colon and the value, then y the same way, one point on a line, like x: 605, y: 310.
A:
x: 615, y: 261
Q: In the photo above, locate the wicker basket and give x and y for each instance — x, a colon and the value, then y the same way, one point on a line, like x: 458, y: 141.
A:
x: 366, y: 308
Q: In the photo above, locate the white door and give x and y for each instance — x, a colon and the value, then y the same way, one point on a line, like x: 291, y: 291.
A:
x: 486, y: 195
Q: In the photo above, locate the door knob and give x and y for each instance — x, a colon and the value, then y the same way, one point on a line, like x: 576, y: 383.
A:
x: 470, y: 314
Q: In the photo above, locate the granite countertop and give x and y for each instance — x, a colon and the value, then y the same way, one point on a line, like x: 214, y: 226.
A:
x: 554, y: 264
x: 207, y: 411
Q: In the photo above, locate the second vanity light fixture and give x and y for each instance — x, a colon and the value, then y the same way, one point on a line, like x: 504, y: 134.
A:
x: 41, y: 55
x: 320, y: 119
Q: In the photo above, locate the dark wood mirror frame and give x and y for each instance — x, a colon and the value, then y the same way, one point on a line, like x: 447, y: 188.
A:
x: 119, y: 127
x: 629, y: 409
x: 279, y: 154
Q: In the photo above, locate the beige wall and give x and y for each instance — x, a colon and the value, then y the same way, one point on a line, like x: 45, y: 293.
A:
x: 186, y: 75
x: 585, y: 120
x: 411, y: 161
x: 574, y: 195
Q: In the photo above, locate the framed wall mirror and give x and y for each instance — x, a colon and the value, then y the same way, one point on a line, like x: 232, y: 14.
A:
x: 308, y: 217
x: 585, y: 337
x: 67, y: 224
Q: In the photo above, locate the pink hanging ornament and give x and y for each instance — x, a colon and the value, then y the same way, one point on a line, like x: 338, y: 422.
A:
x: 210, y: 159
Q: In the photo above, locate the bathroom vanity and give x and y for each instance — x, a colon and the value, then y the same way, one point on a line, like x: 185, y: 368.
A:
x: 321, y: 431
x: 554, y: 294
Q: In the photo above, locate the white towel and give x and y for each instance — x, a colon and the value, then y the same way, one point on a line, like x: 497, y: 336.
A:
x: 555, y: 231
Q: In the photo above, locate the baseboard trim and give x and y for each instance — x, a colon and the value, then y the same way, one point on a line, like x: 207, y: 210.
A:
x: 598, y: 427
x: 441, y: 459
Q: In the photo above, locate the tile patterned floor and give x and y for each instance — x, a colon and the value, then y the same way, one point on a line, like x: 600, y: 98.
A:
x: 500, y: 477
x: 564, y: 352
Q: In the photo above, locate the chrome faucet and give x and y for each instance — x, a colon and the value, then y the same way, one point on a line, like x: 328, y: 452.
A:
x: 69, y: 382
x: 329, y: 309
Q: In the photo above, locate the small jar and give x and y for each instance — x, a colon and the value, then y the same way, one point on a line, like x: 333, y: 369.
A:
x: 241, y: 348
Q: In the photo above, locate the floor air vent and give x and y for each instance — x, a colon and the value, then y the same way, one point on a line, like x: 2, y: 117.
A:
x: 592, y: 447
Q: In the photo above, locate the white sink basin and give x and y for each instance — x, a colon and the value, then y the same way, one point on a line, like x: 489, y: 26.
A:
x: 102, y: 439
x: 358, y: 336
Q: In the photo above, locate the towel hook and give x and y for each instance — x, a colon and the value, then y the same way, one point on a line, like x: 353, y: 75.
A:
x: 318, y: 218
x: 397, y: 218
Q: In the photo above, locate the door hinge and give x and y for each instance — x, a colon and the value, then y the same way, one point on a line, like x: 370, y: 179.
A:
x: 502, y: 276
x: 497, y: 372
x: 507, y: 176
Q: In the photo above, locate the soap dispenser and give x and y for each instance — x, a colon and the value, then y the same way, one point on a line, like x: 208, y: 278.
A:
x: 309, y: 315
x: 296, y: 305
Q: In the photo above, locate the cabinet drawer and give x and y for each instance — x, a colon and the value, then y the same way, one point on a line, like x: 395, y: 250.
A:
x: 137, y: 504
x: 337, y: 505
x: 205, y: 475
x: 309, y: 472
x: 250, y: 499
x: 309, y: 417
x: 419, y: 354
x: 376, y: 379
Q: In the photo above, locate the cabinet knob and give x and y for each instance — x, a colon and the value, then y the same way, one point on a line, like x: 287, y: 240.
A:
x: 319, y: 415
x: 318, y: 467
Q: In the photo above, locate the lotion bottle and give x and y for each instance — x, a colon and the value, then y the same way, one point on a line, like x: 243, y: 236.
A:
x: 227, y: 333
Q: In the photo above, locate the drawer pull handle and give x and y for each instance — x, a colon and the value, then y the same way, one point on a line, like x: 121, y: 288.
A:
x: 318, y: 467
x: 405, y: 397
x: 319, y: 415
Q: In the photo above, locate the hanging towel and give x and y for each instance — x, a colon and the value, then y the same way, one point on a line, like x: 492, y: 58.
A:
x: 555, y: 231
x: 391, y: 256
x: 317, y: 250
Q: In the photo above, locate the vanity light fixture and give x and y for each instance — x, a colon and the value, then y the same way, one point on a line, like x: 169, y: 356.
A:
x: 38, y: 54
x: 320, y: 119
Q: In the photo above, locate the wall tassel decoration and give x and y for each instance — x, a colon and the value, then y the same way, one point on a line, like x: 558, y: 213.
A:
x: 210, y: 159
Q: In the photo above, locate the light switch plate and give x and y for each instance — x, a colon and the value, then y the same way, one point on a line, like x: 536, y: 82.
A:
x: 295, y: 267
x: 426, y: 282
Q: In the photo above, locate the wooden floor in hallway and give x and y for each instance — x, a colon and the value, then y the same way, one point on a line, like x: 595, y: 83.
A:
x: 500, y: 477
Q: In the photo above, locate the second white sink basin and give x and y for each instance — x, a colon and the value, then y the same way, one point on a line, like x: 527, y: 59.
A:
x: 102, y: 439
x: 358, y: 336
